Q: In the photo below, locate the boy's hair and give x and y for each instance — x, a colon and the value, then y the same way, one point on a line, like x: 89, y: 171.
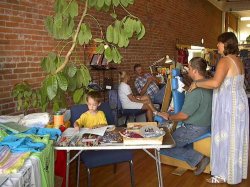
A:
x: 199, y: 64
x: 94, y: 95
x: 136, y: 66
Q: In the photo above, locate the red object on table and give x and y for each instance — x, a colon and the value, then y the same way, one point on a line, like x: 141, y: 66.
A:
x: 60, y: 162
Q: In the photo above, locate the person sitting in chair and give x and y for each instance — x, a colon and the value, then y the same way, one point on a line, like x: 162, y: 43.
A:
x: 146, y: 84
x: 92, y: 118
x: 130, y: 101
x: 196, y: 115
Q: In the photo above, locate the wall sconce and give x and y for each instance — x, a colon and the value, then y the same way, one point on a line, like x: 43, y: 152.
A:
x: 168, y: 60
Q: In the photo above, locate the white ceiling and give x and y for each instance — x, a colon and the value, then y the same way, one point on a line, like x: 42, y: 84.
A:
x: 239, y: 7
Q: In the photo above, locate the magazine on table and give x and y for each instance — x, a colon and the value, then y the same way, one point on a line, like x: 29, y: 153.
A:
x: 83, y: 137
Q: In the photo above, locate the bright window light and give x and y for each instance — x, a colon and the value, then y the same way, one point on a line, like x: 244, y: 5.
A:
x: 248, y: 25
x: 245, y: 18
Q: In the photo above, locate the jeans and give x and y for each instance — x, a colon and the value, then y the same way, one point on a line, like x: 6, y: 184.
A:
x: 158, y: 97
x: 184, y: 137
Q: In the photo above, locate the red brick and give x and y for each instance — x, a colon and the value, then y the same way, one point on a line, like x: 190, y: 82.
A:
x: 24, y: 40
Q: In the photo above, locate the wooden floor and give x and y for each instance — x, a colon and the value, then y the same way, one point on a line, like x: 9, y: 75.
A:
x: 145, y: 175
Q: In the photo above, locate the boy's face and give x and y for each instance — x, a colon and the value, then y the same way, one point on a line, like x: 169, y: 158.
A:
x: 92, y: 104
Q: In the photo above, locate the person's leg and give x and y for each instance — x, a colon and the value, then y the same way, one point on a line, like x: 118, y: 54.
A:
x: 158, y: 97
x: 148, y: 101
x: 149, y: 112
x: 183, y: 136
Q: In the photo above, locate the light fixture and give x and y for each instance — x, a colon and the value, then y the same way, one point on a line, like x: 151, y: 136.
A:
x: 245, y: 19
x: 248, y: 25
x: 168, y: 60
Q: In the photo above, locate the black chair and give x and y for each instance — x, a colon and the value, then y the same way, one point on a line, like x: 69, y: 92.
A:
x: 93, y: 159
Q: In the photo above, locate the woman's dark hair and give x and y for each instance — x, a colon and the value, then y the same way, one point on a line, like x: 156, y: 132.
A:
x: 230, y: 42
x: 199, y: 64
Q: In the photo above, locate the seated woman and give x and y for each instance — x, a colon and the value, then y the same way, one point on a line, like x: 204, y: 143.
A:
x: 130, y: 101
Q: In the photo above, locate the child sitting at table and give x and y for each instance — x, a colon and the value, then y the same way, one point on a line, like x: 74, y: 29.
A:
x: 92, y: 118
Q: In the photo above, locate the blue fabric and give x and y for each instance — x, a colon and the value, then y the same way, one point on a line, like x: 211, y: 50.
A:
x: 54, y: 133
x: 158, y: 97
x: 94, y: 159
x: 184, y: 137
x: 18, y: 144
x: 133, y: 112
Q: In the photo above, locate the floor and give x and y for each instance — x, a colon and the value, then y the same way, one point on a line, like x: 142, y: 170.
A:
x: 145, y: 175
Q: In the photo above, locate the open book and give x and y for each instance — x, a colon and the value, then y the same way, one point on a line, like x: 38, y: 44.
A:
x: 71, y: 137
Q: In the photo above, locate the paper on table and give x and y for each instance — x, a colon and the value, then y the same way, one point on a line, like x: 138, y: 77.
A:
x: 98, y: 131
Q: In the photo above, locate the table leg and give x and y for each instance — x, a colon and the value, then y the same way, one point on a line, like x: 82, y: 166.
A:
x: 78, y: 170
x: 158, y: 167
x: 67, y: 168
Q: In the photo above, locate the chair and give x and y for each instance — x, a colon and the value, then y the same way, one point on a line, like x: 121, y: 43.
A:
x: 116, y: 105
x: 200, y: 144
x: 93, y: 159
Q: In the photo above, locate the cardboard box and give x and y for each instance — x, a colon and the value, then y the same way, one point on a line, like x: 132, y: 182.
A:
x: 135, y: 127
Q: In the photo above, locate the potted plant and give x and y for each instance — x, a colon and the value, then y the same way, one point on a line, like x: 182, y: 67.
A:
x: 64, y: 78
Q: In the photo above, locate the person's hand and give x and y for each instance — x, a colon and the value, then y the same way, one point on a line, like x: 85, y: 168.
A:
x: 150, y: 79
x: 165, y: 115
x: 192, y: 87
x: 76, y: 127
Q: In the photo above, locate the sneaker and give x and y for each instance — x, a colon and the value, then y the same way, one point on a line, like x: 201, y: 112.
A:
x: 202, y: 166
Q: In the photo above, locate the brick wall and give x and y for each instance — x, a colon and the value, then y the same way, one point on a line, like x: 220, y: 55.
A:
x: 24, y: 40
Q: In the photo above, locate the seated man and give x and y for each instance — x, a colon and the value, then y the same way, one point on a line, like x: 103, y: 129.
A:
x: 147, y: 84
x: 196, y: 114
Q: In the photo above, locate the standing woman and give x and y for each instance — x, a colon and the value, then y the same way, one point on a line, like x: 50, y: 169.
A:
x: 130, y: 101
x: 230, y: 114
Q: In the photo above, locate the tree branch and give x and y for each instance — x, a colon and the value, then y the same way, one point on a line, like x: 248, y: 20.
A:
x: 74, y: 40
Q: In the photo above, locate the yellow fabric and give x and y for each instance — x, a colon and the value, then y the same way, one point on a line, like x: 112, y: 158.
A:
x: 89, y: 120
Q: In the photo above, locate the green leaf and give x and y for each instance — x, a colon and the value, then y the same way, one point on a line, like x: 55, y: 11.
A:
x: 72, y: 84
x: 128, y: 27
x: 73, y: 9
x: 100, y: 3
x: 79, y: 79
x: 142, y: 33
x: 116, y: 33
x: 56, y: 106
x: 52, y: 87
x: 45, y: 65
x: 116, y: 2
x: 130, y: 1
x: 100, y: 49
x: 124, y: 2
x: 72, y: 71
x: 98, y: 40
x: 108, y: 54
x: 137, y: 26
x: 62, y: 81
x: 109, y: 33
x: 77, y: 95
x: 92, y: 3
x: 49, y: 24
x: 113, y: 15
x: 108, y: 2
x: 58, y: 20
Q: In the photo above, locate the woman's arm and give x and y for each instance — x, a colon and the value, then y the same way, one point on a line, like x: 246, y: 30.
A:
x: 134, y: 99
x: 215, y: 82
